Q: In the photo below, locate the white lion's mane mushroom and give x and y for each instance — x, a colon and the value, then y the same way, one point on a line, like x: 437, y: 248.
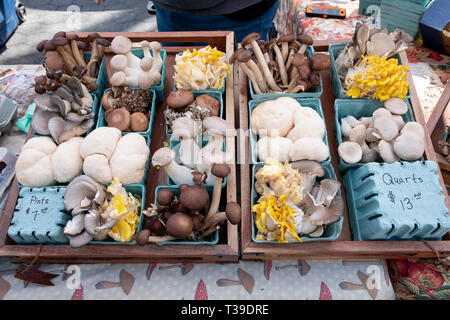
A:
x: 273, y: 147
x: 130, y: 158
x: 307, y: 123
x: 67, y: 162
x: 309, y: 149
x: 97, y: 167
x: 101, y: 140
x: 34, y: 166
x: 271, y: 118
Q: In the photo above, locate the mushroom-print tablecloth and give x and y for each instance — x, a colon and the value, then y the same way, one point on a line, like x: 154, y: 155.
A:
x: 251, y: 280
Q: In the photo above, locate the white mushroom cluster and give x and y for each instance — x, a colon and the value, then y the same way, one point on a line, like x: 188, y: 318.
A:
x: 192, y: 158
x: 65, y: 112
x: 288, y: 131
x: 132, y: 70
x: 43, y: 163
x: 384, y: 137
x: 108, y: 154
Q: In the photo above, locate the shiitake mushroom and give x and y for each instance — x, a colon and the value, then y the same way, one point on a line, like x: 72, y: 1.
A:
x: 179, y: 225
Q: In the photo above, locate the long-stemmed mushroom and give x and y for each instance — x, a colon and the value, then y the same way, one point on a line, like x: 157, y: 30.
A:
x: 232, y: 213
x: 305, y: 41
x: 285, y: 40
x: 251, y: 39
x: 244, y: 56
x: 281, y: 65
x: 75, y: 51
x: 243, y: 66
x: 220, y: 171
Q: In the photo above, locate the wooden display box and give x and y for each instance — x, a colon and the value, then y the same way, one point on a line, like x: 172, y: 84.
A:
x: 227, y: 249
x: 344, y: 247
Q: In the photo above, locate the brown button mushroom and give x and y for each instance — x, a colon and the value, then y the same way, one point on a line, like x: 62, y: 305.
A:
x: 305, y: 41
x: 139, y: 122
x: 142, y: 237
x: 194, y: 198
x: 233, y: 212
x: 164, y: 197
x: 54, y: 61
x: 156, y: 225
x: 119, y: 118
x: 251, y: 69
x: 107, y: 100
x: 320, y: 61
x: 180, y: 99
x: 179, y: 225
x: 206, y: 101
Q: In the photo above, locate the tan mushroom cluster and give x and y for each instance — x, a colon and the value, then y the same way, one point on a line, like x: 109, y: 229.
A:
x: 189, y: 163
x: 43, y: 163
x: 130, y: 70
x: 64, y: 58
x: 181, y: 103
x: 280, y: 65
x: 201, y: 69
x: 383, y: 137
x: 65, y: 112
x: 293, y: 202
x: 127, y: 109
x: 108, y: 154
x: 100, y: 213
x: 191, y: 216
x: 288, y: 131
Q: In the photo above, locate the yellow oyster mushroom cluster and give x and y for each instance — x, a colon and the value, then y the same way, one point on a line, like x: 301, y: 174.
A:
x: 201, y: 69
x: 274, y: 219
x: 123, y: 207
x: 278, y: 179
x: 377, y: 78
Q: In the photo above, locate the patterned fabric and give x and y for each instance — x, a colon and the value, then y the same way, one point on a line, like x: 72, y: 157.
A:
x: 425, y: 279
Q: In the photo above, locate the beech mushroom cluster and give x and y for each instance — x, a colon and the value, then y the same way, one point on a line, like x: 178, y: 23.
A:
x: 108, y: 154
x: 288, y: 131
x: 192, y: 215
x: 194, y: 160
x: 100, y: 213
x: 43, y: 163
x: 280, y: 65
x: 202, y: 69
x: 181, y: 103
x: 65, y: 112
x: 130, y: 70
x: 127, y: 109
x: 294, y: 201
x: 384, y: 137
x: 64, y: 58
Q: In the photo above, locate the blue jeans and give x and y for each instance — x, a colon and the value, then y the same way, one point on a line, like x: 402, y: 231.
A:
x: 174, y: 21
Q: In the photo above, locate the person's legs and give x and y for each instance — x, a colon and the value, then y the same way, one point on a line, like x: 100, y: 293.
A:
x: 173, y: 21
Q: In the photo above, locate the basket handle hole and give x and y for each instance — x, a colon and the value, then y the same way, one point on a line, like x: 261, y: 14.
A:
x: 370, y: 196
x: 437, y: 228
x: 375, y: 216
x: 392, y: 230
x: 367, y: 176
x: 414, y: 229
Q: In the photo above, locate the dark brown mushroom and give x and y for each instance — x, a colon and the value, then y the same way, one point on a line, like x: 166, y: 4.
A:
x: 119, y: 118
x: 194, y: 198
x: 139, y: 122
x: 305, y: 41
x: 164, y: 197
x: 207, y: 101
x: 180, y: 98
x: 179, y: 225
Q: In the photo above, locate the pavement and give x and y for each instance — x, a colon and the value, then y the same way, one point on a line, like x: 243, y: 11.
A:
x: 46, y: 17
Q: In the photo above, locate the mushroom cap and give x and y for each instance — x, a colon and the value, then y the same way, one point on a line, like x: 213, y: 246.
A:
x: 93, y: 35
x: 273, y: 65
x: 220, y: 170
x: 386, y: 151
x: 326, y: 215
x: 314, y: 167
x: 381, y: 112
x: 358, y: 134
x: 254, y: 36
x: 146, y: 64
x: 97, y: 167
x: 101, y: 140
x: 40, y: 120
x: 119, y: 62
x: 164, y: 197
x: 273, y: 147
x: 119, y: 118
x: 218, y: 126
x: 163, y: 156
x: 415, y: 128
x: 139, y: 122
x: 59, y: 41
x: 386, y: 127
x: 142, y: 237
x: 320, y: 61
x: 121, y: 45
x: 79, y: 188
x: 118, y: 78
x: 82, y: 45
x: 155, y: 45
x: 56, y: 127
x: 309, y: 148
x: 233, y: 212
x: 72, y: 36
x: 350, y: 152
x: 242, y: 55
x: 180, y: 98
x: 396, y: 106
x: 207, y: 101
x: 54, y: 61
x: 194, y: 198
x: 107, y: 100
x: 49, y: 46
x: 286, y: 38
x: 67, y: 162
x: 308, y: 123
x: 294, y: 46
x: 271, y: 43
x: 156, y: 226
x: 103, y: 42
x: 272, y: 118
x: 179, y: 225
x: 305, y: 39
x: 409, y: 146
x: 183, y: 127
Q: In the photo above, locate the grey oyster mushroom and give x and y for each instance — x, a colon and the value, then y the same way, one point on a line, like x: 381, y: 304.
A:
x: 83, y: 197
x: 65, y: 112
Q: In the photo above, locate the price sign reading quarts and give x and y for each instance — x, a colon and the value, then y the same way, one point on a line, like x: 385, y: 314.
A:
x: 405, y: 201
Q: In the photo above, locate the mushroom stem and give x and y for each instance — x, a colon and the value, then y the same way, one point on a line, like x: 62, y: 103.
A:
x: 209, y: 231
x: 293, y: 82
x: 257, y: 72
x: 156, y: 239
x: 250, y: 75
x: 76, y: 53
x: 281, y: 65
x: 216, y: 197
x: 213, y: 220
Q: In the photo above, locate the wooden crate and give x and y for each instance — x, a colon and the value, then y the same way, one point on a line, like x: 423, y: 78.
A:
x: 227, y: 250
x: 344, y: 247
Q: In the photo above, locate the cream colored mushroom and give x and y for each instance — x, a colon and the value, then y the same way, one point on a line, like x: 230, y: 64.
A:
x: 270, y: 118
x: 273, y: 147
x: 350, y: 152
x: 309, y: 148
x: 415, y: 128
x: 396, y: 106
x: 97, y: 167
x: 409, y: 146
x: 387, y: 128
x: 102, y: 140
x: 67, y: 162
x: 386, y: 150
